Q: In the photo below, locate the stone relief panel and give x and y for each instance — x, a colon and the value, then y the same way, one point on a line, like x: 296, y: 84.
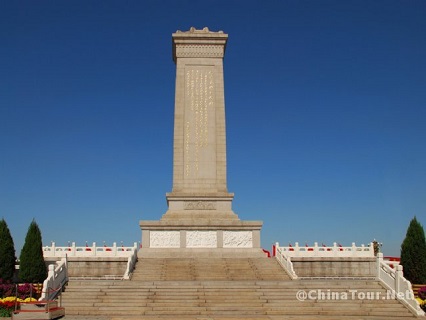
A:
x: 199, y: 205
x: 201, y: 239
x: 164, y: 239
x: 237, y: 239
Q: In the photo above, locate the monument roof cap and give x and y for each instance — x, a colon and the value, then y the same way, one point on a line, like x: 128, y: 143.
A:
x: 205, y: 30
x: 199, y: 43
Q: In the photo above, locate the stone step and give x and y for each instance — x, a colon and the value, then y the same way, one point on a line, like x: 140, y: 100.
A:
x: 327, y: 283
x: 246, y: 288
x: 258, y: 317
x: 203, y: 268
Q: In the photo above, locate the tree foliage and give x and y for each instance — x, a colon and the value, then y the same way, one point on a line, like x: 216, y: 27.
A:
x: 7, y: 252
x: 32, y: 267
x: 413, y: 253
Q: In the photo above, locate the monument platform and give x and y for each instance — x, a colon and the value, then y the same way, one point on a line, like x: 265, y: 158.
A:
x: 200, y: 233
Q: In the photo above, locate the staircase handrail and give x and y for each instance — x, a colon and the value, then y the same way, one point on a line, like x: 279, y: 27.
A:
x: 284, y: 261
x: 401, y: 289
x: 131, y: 262
x: 57, y: 277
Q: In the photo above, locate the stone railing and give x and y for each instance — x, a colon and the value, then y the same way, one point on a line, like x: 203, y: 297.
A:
x: 89, y: 251
x: 327, y: 252
x: 400, y: 288
x: 392, y: 262
x: 57, y: 277
x: 131, y: 261
x: 297, y: 268
x: 284, y: 261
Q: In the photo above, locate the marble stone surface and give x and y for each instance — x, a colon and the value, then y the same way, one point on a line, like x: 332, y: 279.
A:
x: 237, y: 239
x: 201, y: 239
x: 164, y: 239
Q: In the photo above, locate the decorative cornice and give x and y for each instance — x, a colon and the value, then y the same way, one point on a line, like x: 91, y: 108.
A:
x: 199, y: 44
x: 199, y: 51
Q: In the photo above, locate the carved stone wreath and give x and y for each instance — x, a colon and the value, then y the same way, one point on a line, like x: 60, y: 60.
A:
x: 199, y: 205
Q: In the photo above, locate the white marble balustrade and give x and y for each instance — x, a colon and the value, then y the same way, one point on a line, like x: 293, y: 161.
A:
x: 89, y: 251
x: 57, y: 277
x: 398, y: 287
x: 325, y: 251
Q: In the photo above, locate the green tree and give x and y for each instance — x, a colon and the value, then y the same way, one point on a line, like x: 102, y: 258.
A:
x: 32, y: 267
x: 413, y: 253
x: 7, y: 252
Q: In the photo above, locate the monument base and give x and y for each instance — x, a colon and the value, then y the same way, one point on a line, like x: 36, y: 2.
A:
x: 200, y: 253
x: 200, y: 234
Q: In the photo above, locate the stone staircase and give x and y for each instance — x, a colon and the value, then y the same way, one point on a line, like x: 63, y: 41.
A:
x: 218, y: 269
x: 223, y: 288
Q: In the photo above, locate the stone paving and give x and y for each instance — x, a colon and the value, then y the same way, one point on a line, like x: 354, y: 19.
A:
x: 195, y: 317
x: 73, y: 317
x: 85, y: 318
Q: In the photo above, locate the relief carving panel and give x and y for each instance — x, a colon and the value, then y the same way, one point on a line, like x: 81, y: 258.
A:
x: 164, y: 239
x: 237, y: 239
x: 201, y: 239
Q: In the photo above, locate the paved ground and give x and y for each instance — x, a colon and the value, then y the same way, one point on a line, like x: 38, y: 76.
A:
x: 167, y: 317
x: 193, y: 317
x: 84, y: 317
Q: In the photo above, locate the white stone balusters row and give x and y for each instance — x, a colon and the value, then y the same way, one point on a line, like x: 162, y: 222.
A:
x: 131, y: 262
x: 285, y: 254
x: 284, y: 261
x: 57, y: 277
x: 89, y: 251
x: 325, y: 251
x: 393, y: 280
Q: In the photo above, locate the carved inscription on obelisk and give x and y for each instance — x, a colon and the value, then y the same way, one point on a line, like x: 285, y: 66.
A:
x: 199, y: 141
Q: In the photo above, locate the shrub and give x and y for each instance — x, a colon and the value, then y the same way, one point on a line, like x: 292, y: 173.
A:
x: 422, y: 303
x: 22, y: 291
x: 32, y: 267
x: 422, y: 293
x: 7, y: 306
x: 413, y: 253
x: 7, y: 252
x: 6, y: 288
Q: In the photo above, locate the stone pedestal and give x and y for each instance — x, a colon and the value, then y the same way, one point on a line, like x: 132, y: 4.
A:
x: 199, y: 211
x: 200, y: 234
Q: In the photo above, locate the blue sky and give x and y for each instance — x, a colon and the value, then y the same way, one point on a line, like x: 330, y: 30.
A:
x: 325, y: 110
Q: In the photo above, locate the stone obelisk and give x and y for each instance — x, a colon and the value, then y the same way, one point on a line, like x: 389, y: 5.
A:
x: 199, y: 211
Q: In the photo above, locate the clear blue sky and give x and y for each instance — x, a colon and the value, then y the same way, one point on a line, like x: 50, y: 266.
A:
x: 325, y: 103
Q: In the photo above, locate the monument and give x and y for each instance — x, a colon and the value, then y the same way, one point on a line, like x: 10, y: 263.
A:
x: 200, y: 214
